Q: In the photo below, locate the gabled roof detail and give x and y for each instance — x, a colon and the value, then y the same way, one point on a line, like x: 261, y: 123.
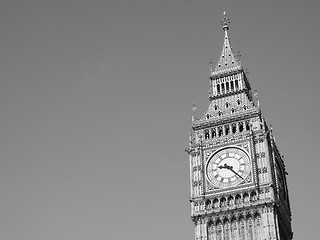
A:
x: 227, y: 62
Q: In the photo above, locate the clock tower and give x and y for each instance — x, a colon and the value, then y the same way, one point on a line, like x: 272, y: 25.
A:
x: 237, y: 174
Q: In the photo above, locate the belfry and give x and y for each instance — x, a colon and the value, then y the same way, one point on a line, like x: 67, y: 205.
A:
x: 237, y: 174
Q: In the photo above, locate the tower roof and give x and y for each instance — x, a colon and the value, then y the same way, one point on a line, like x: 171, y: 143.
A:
x: 227, y: 62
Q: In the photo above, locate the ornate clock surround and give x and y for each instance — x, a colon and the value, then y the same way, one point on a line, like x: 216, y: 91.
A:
x: 245, y: 146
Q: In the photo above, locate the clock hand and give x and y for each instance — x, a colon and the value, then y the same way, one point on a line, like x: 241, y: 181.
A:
x: 231, y: 169
x: 236, y: 173
x: 225, y: 166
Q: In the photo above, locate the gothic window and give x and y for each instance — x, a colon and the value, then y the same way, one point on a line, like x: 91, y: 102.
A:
x: 231, y: 85
x: 206, y: 134
x: 253, y: 196
x: 213, y: 133
x: 216, y: 203
x: 227, y: 87
x: 218, y: 88
x: 247, y: 125
x: 220, y: 131
x: 234, y: 128
x: 246, y: 197
x: 223, y: 202
x: 230, y: 201
x: 238, y: 199
x: 236, y: 85
x: 227, y: 130
x: 240, y: 126
x: 208, y: 204
x: 238, y: 101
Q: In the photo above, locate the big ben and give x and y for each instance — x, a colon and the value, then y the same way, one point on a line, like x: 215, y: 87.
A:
x: 237, y: 174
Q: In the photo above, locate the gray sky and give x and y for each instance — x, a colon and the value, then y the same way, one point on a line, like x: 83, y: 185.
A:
x: 96, y: 101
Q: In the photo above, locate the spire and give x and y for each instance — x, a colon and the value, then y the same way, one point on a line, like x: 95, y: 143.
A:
x: 227, y: 62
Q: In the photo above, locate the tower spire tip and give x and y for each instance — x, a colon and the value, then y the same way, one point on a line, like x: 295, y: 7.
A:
x: 225, y: 21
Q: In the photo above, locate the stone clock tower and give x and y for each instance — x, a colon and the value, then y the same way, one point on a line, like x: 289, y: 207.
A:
x: 237, y: 174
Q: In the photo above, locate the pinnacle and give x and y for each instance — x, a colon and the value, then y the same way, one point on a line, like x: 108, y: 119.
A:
x: 227, y: 62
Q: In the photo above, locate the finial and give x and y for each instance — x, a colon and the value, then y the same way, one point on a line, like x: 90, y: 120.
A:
x: 211, y: 64
x: 194, y: 108
x: 239, y: 55
x: 225, y: 21
x: 256, y: 97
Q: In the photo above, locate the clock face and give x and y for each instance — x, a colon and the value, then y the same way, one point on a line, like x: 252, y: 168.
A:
x: 228, y: 167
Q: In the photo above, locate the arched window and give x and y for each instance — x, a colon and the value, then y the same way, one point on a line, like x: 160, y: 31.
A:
x: 216, y: 107
x: 240, y: 126
x: 218, y: 88
x: 233, y: 110
x: 253, y: 196
x: 246, y: 197
x: 208, y: 204
x: 234, y: 128
x: 230, y: 201
x: 227, y: 87
x: 213, y: 133
x: 231, y: 85
x: 223, y: 202
x: 236, y: 85
x: 247, y: 125
x: 227, y: 105
x: 238, y: 199
x: 227, y: 129
x: 219, y: 113
x: 238, y: 101
x: 220, y: 131
x: 215, y: 203
x: 245, y: 107
x: 206, y: 134
x: 222, y: 88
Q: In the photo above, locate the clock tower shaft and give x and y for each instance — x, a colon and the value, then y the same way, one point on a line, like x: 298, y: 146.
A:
x: 237, y: 174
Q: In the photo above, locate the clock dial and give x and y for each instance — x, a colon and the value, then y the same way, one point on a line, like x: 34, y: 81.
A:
x: 228, y: 167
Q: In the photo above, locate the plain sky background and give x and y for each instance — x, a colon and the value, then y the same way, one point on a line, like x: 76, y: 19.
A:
x: 96, y: 102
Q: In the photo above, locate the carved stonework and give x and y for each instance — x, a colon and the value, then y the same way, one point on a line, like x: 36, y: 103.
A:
x: 237, y: 174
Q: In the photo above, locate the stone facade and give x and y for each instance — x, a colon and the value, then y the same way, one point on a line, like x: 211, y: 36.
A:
x: 227, y: 201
